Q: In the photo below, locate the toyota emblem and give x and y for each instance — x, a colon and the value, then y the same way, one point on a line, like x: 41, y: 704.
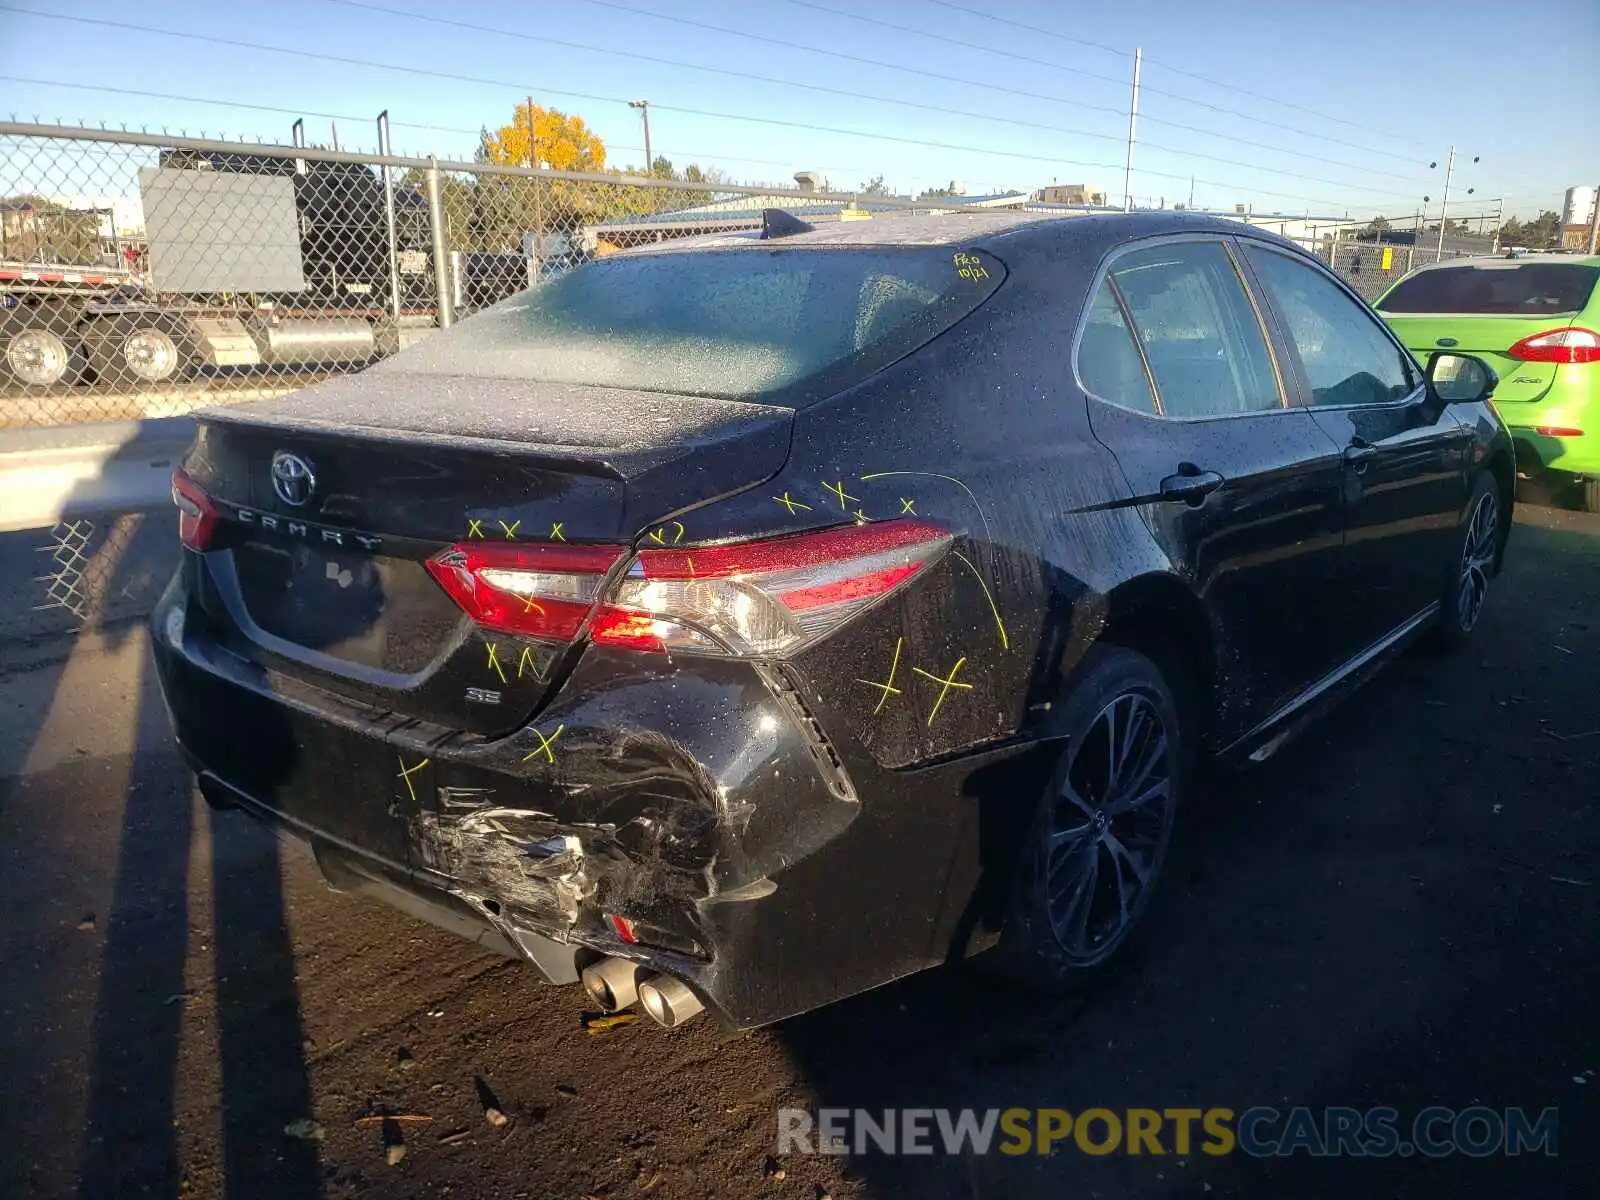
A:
x: 292, y: 478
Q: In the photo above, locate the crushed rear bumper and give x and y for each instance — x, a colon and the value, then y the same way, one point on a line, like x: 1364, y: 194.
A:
x: 727, y: 830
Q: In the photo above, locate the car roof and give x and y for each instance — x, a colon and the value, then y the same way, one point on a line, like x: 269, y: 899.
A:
x: 1509, y: 261
x: 948, y: 229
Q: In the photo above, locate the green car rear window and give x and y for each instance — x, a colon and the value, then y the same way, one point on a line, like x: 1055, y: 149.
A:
x: 786, y: 325
x: 1526, y: 289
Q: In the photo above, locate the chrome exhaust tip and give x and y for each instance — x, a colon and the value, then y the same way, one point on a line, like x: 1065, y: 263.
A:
x: 612, y: 983
x: 668, y: 1001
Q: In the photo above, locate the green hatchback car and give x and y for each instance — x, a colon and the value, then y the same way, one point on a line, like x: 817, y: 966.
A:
x: 1536, y: 321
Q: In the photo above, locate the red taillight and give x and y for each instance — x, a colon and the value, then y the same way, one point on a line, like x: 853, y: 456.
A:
x: 765, y: 598
x: 539, y: 591
x: 197, y: 516
x: 1557, y: 431
x: 1569, y: 344
x: 624, y: 928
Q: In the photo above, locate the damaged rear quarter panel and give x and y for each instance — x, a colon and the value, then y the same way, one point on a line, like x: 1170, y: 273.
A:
x: 589, y: 811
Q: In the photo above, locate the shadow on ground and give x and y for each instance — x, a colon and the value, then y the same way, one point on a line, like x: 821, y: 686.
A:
x: 90, y: 777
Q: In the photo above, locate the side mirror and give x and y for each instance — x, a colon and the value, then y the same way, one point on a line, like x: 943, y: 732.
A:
x: 1461, y: 378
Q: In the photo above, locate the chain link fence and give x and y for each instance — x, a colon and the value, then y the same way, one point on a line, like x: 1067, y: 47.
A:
x: 1372, y: 267
x: 146, y: 276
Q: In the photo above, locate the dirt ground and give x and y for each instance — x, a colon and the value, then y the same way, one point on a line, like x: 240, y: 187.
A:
x: 1403, y: 908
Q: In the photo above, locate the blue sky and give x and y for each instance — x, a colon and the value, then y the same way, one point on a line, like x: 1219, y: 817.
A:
x: 1347, y: 104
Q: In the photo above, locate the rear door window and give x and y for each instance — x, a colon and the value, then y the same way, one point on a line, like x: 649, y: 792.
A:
x: 1108, y: 359
x: 1530, y: 289
x: 1199, y: 332
x: 782, y: 324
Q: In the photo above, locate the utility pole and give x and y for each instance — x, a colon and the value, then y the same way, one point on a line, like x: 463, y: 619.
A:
x: 644, y: 111
x: 1499, y: 214
x: 1444, y: 204
x: 1594, y: 222
x: 1133, y: 129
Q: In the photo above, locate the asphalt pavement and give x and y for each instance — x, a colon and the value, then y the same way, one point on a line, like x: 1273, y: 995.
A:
x: 1402, y: 908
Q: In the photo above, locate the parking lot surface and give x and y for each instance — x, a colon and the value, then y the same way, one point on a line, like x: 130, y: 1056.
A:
x: 1402, y: 908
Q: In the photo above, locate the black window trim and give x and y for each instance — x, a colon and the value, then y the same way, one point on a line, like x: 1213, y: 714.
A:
x: 1102, y: 275
x: 1302, y: 387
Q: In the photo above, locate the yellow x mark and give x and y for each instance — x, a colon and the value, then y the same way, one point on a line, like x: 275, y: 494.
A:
x: 544, y: 745
x: 945, y: 683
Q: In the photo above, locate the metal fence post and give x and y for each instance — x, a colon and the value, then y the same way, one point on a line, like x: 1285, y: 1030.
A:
x: 388, y: 219
x: 441, y: 256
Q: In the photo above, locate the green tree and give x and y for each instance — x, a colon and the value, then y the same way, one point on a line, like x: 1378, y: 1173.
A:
x: 1378, y: 226
x: 874, y: 187
x: 1539, y: 234
x: 940, y: 193
x: 1545, y: 231
x: 38, y: 230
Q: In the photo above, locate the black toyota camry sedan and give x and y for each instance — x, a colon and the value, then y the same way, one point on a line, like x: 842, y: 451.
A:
x: 747, y: 622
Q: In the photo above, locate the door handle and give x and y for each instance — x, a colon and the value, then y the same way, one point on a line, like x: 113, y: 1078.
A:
x: 1191, y: 486
x: 1360, y: 452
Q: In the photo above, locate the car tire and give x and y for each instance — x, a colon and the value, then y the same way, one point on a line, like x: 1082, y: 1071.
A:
x: 140, y: 351
x: 1591, y: 493
x: 1476, y: 563
x: 1091, y: 858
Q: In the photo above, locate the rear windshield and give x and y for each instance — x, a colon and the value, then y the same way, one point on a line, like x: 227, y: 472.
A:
x: 777, y: 323
x: 1530, y: 289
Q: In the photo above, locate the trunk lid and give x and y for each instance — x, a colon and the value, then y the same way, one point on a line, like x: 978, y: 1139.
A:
x: 394, y: 469
x: 1488, y: 337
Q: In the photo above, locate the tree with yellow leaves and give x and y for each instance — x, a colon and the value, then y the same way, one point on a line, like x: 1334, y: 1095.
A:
x: 561, y: 142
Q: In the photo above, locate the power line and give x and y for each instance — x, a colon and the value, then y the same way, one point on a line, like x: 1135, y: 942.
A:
x: 74, y: 85
x: 522, y: 87
x: 1179, y: 96
x: 939, y: 76
x: 684, y: 154
x: 974, y: 12
x: 1166, y: 66
x: 1234, y: 112
x: 1116, y: 138
x: 1055, y: 66
x: 1051, y: 33
x: 812, y: 87
x: 951, y: 41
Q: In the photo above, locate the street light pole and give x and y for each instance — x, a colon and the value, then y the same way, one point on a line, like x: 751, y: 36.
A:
x: 644, y: 111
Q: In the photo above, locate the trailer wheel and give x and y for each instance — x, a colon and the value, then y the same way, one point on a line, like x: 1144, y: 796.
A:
x: 38, y: 350
x: 37, y: 357
x: 138, y: 351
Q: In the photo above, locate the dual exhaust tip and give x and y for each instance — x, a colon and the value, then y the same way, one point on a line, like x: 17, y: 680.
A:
x: 615, y: 983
